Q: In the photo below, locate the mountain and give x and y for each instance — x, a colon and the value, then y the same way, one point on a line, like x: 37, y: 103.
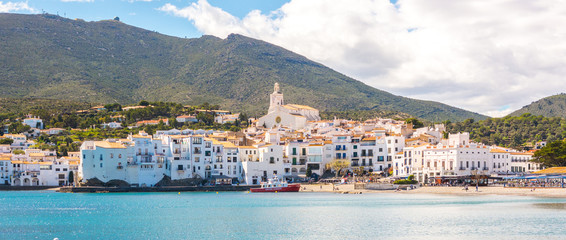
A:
x: 47, y: 56
x: 553, y: 106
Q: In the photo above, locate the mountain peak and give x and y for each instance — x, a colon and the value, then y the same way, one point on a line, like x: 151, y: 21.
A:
x: 110, y: 61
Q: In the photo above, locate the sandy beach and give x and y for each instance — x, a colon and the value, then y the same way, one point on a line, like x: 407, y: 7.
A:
x: 495, y: 190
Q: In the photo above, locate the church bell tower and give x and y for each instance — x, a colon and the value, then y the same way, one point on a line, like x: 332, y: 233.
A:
x: 276, y: 98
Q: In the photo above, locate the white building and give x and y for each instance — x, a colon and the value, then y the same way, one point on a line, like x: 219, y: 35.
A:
x: 5, y: 169
x: 268, y: 164
x: 186, y: 118
x: 291, y: 115
x: 34, y: 122
x: 42, y: 168
x: 112, y: 125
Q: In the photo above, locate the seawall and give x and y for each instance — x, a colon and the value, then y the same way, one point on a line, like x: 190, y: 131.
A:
x: 219, y: 188
x: 24, y: 188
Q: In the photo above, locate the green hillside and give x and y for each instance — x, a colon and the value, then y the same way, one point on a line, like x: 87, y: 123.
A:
x: 47, y: 56
x: 553, y: 106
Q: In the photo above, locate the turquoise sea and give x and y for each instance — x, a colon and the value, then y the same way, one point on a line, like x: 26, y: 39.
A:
x: 240, y: 215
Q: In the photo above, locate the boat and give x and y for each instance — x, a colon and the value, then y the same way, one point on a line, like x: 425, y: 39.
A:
x: 274, y: 185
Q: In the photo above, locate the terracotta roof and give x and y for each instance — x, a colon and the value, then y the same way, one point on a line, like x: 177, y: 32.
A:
x: 296, y: 106
x: 247, y: 147
x: 554, y: 170
x: 106, y: 144
x: 522, y: 153
x: 140, y: 136
x: 497, y: 150
x: 228, y: 144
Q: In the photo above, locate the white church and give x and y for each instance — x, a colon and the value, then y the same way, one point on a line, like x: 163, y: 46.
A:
x: 292, y: 116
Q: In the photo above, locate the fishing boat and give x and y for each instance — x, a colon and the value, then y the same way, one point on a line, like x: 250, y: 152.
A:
x: 274, y: 185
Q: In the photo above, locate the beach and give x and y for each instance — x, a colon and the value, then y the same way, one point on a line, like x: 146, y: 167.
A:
x: 490, y: 190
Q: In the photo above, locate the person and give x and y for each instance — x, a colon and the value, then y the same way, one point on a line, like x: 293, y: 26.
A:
x: 477, y: 188
x: 466, y: 188
x: 320, y: 187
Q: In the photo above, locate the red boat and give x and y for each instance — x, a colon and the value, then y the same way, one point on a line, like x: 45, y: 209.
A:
x: 274, y: 185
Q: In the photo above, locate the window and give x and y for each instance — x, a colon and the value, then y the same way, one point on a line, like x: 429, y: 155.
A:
x: 119, y: 155
x: 355, y: 146
x: 100, y: 157
x: 234, y: 159
x: 180, y: 167
x: 100, y: 164
x: 271, y: 160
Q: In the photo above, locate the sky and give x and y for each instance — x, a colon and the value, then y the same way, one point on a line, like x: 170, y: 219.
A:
x: 487, y: 56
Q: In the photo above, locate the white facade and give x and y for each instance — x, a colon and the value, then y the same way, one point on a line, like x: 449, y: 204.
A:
x: 112, y: 125
x: 291, y: 115
x: 268, y: 164
x: 34, y: 122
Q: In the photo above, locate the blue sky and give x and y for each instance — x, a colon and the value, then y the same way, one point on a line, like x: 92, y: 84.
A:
x: 144, y: 14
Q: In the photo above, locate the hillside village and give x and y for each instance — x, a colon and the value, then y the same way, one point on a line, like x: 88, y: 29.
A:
x: 290, y: 142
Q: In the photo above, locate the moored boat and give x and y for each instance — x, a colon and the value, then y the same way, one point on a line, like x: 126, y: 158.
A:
x: 274, y: 185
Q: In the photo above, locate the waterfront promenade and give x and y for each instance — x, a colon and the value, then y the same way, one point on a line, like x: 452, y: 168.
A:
x: 491, y: 190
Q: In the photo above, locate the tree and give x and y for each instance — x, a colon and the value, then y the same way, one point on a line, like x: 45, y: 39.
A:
x: 553, y: 155
x: 71, y: 177
x: 416, y: 123
x: 338, y: 164
x: 18, y: 152
x: 205, y: 118
x: 7, y: 141
x: 243, y: 117
x: 18, y: 127
x: 144, y: 103
x: 309, y: 171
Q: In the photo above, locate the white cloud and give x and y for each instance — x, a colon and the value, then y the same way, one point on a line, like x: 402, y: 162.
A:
x: 132, y: 1
x: 489, y: 56
x: 15, y: 7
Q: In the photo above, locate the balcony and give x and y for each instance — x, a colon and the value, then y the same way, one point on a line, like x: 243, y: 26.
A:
x: 462, y: 168
x: 485, y: 168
